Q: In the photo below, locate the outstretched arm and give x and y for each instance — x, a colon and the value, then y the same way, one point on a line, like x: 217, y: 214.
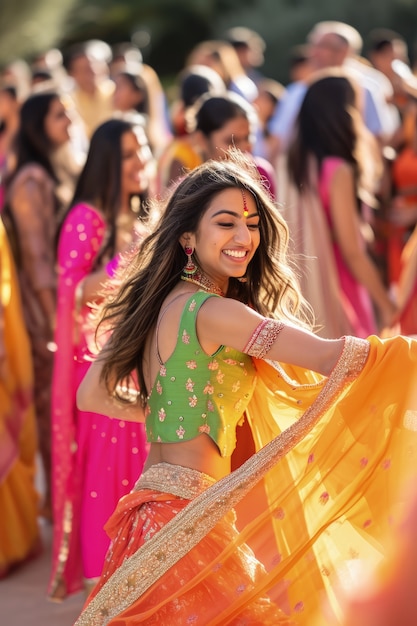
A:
x: 228, y: 322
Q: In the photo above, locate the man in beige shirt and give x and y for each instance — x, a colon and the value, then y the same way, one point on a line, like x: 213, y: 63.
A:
x: 92, y: 89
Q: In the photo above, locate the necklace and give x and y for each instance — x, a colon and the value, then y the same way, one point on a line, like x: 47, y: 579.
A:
x: 200, y: 279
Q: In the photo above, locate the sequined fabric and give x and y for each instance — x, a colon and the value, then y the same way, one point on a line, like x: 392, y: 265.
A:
x: 314, y: 505
x: 139, y: 521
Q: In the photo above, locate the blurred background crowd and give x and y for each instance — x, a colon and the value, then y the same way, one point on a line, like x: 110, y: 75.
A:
x: 97, y: 119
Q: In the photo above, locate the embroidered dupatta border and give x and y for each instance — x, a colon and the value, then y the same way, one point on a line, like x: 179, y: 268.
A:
x: 199, y: 517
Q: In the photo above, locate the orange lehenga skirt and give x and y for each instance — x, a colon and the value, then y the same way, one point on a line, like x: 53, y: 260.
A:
x: 284, y: 536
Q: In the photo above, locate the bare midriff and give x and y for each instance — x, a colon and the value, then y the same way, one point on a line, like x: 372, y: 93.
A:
x: 200, y: 453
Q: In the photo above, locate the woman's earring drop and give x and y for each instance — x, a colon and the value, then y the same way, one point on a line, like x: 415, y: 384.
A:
x: 190, y: 267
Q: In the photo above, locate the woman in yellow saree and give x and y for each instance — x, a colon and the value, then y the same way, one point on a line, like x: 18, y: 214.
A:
x: 19, y: 533
x: 280, y: 538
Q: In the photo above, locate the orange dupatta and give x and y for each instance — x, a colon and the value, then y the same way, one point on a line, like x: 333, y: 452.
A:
x: 338, y: 450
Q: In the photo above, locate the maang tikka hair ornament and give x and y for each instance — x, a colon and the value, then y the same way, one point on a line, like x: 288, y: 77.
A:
x: 245, y: 206
x: 243, y: 279
x: 190, y: 267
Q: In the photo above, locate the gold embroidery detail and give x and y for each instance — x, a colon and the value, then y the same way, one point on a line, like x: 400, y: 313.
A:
x: 263, y: 337
x: 410, y: 420
x: 180, y: 481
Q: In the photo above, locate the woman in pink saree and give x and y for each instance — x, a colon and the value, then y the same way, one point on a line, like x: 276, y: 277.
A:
x: 95, y: 460
x: 333, y: 172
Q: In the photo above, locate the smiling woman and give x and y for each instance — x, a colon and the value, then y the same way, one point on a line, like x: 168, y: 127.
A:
x: 219, y: 124
x: 228, y: 229
x: 31, y: 214
x: 205, y: 352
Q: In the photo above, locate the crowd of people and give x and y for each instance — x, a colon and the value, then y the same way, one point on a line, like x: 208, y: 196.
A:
x: 242, y: 257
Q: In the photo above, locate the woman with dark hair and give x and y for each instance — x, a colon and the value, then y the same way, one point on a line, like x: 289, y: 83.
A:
x: 210, y: 322
x: 100, y: 224
x: 333, y: 165
x: 225, y: 121
x: 130, y: 93
x: 138, y: 88
x: 31, y: 215
x: 219, y: 122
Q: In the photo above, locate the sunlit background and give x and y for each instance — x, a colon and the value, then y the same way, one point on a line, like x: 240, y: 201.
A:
x: 166, y: 30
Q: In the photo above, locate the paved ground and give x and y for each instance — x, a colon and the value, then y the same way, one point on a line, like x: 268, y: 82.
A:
x: 23, y: 599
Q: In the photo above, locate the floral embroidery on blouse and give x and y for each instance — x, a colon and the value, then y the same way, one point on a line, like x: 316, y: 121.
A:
x: 201, y: 400
x: 192, y: 401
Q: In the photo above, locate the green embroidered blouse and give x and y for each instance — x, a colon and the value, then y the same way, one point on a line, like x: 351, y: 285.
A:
x: 197, y: 393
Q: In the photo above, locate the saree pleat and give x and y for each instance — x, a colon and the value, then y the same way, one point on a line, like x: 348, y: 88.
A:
x: 319, y: 500
x: 95, y: 460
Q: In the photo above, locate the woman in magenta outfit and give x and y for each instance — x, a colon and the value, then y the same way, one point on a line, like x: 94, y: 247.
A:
x: 333, y: 167
x: 95, y: 460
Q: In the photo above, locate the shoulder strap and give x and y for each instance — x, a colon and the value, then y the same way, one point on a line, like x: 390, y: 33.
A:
x: 189, y: 313
x: 191, y: 308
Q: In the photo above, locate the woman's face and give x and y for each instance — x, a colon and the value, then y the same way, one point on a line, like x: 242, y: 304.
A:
x: 136, y: 157
x: 57, y: 123
x: 227, y: 236
x: 126, y: 97
x: 235, y: 133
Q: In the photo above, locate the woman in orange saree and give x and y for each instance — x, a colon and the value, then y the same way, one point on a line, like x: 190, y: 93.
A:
x: 19, y: 532
x: 276, y: 540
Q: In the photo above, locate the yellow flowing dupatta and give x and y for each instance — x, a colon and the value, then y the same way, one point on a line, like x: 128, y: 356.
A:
x: 315, y: 503
x: 334, y: 497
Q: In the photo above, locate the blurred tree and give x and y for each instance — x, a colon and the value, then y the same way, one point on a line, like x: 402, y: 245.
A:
x: 166, y: 30
x: 285, y: 23
x: 28, y: 27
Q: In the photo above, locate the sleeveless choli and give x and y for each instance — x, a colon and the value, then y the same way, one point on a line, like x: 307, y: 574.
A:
x: 203, y: 394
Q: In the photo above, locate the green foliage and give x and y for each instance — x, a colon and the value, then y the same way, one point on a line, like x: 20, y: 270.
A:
x: 172, y: 27
x: 28, y: 27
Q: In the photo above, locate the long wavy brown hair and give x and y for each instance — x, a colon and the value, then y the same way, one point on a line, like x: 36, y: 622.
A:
x: 272, y: 289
